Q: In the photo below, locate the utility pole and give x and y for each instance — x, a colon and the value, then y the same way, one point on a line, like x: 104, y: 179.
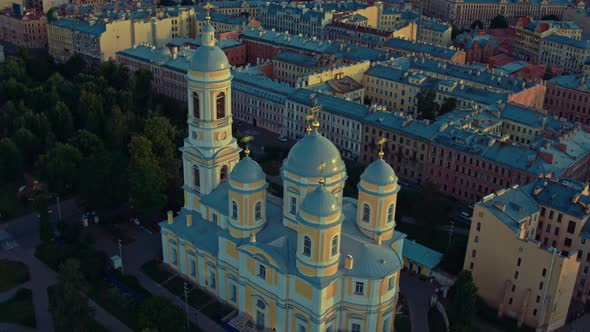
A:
x: 121, y: 256
x: 451, y: 233
x: 186, y: 305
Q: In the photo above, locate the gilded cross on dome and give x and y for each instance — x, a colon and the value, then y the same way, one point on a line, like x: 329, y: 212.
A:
x: 208, y: 6
x: 246, y: 140
x: 323, y: 165
x: 381, y: 142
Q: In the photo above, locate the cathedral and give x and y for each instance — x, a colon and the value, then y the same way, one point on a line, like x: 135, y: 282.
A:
x: 312, y: 260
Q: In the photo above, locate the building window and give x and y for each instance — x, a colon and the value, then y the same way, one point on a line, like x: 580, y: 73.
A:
x: 518, y: 261
x: 193, y: 268
x: 571, y: 227
x: 174, y: 255
x: 516, y: 275
x: 220, y: 105
x: 556, y: 231
x: 212, y: 281
x: 262, y: 271
x: 473, y: 252
x: 366, y: 212
x: 568, y: 242
x: 293, y: 205
x: 359, y: 288
x: 540, y: 285
x: 234, y: 210
x: 478, y: 226
x: 510, y: 301
x: 355, y: 327
x: 196, y: 177
x: 306, y: 246
x: 233, y: 294
x: 476, y: 240
x: 390, y: 283
x: 334, y: 247
x: 196, y: 106
x: 223, y: 173
x: 544, y: 272
x: 258, y: 211
x: 390, y: 213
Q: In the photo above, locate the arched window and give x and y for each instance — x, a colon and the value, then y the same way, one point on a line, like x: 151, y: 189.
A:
x: 260, y: 304
x: 307, y: 246
x: 221, y: 105
x: 196, y: 106
x: 366, y: 212
x: 390, y: 213
x: 234, y: 210
x: 196, y: 177
x: 258, y: 211
x: 334, y: 248
x: 223, y: 173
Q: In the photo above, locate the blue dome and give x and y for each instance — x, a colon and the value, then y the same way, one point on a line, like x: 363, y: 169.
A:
x: 379, y: 173
x: 320, y: 203
x: 208, y: 59
x: 305, y: 157
x: 247, y: 170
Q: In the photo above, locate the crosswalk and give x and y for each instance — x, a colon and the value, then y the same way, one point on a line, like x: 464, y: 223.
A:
x: 6, y: 241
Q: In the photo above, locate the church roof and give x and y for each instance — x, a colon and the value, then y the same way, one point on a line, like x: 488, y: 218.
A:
x: 247, y: 170
x: 305, y: 157
x: 379, y: 173
x: 207, y: 59
x: 320, y: 203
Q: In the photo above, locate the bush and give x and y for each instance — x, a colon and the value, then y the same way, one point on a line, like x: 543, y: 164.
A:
x: 490, y: 315
x: 19, y: 308
x: 13, y: 274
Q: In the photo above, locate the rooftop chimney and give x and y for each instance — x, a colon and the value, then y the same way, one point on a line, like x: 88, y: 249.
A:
x: 348, y: 262
x: 189, y: 220
x: 170, y: 217
x: 253, y: 238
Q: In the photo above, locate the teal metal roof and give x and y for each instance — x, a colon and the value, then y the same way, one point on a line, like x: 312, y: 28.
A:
x: 420, y: 254
x: 247, y: 170
x: 379, y: 173
x: 306, y: 156
x: 320, y: 203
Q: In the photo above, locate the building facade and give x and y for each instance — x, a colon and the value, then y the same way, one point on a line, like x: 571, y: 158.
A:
x: 311, y: 262
x: 569, y: 97
x: 478, y: 46
x: 529, y: 34
x: 28, y: 28
x: 568, y: 53
x: 522, y: 278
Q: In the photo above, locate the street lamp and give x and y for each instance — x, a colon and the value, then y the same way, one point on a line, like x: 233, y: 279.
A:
x: 121, y: 255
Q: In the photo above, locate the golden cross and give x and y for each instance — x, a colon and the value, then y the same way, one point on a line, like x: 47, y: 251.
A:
x: 246, y: 140
x: 381, y: 142
x: 323, y: 165
x: 208, y: 6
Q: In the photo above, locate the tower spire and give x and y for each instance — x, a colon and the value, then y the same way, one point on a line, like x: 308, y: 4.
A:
x: 381, y: 142
x: 208, y: 32
x: 313, y: 114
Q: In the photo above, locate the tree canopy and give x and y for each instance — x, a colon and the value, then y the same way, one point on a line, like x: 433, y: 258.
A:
x: 425, y: 103
x: 477, y: 24
x: 499, y: 22
x: 463, y: 302
x: 157, y: 313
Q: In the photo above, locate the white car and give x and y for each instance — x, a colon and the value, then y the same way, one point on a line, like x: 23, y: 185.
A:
x: 282, y: 138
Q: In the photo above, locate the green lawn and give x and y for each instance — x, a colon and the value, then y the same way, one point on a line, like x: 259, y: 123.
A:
x: 10, y: 206
x: 13, y: 274
x: 19, y: 309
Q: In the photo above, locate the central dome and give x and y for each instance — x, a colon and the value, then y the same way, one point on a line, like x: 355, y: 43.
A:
x: 208, y: 59
x: 305, y: 157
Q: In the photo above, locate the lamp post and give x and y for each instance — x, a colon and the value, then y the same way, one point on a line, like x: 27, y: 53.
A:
x: 121, y: 256
x: 58, y: 208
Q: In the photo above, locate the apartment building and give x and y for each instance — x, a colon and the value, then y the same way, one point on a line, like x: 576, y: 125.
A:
x: 25, y: 28
x: 294, y: 18
x: 392, y: 19
x: 222, y: 22
x: 461, y: 13
x: 291, y: 66
x: 569, y: 97
x: 408, y: 48
x: 529, y: 34
x: 521, y: 278
x: 580, y: 15
x: 366, y: 36
x: 568, y: 53
x: 436, y: 32
x: 233, y: 8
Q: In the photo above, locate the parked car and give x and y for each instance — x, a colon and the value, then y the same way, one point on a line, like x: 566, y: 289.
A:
x: 282, y: 138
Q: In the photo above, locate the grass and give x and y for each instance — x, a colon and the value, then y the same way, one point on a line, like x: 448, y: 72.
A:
x: 19, y: 309
x: 94, y: 325
x: 10, y: 206
x: 13, y: 274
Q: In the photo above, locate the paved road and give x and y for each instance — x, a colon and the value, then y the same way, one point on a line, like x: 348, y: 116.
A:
x: 418, y: 294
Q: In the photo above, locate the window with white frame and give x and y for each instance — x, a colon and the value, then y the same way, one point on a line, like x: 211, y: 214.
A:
x: 233, y: 293
x: 306, y: 246
x: 192, y: 268
x: 293, y: 205
x: 390, y: 283
x: 359, y: 288
x: 355, y: 327
x: 212, y: 280
x: 258, y: 211
x: 262, y: 271
x: 366, y: 213
x: 173, y: 254
x: 390, y: 213
x: 334, y: 247
x: 234, y: 210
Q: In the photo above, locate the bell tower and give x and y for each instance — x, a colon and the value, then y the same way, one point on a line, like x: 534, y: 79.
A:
x: 210, y: 151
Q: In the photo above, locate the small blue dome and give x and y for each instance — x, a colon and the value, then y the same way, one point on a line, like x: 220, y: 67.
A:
x: 247, y: 170
x: 305, y: 157
x: 208, y: 59
x: 320, y: 203
x: 379, y: 173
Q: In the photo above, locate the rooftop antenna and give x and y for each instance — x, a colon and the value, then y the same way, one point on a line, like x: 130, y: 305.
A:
x: 246, y: 140
x: 381, y: 142
x: 322, y: 180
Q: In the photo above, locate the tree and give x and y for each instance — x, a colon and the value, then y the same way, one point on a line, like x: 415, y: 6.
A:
x: 448, y: 105
x: 11, y: 167
x: 147, y: 180
x: 158, y: 314
x: 142, y: 90
x: 499, y: 22
x: 71, y: 310
x: 477, y: 24
x: 118, y: 128
x: 87, y: 143
x: 426, y: 106
x: 28, y: 143
x: 61, y: 120
x: 91, y: 111
x: 463, y: 299
x: 45, y: 230
x: 548, y: 73
x: 58, y: 167
x: 95, y: 182
x: 551, y: 17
